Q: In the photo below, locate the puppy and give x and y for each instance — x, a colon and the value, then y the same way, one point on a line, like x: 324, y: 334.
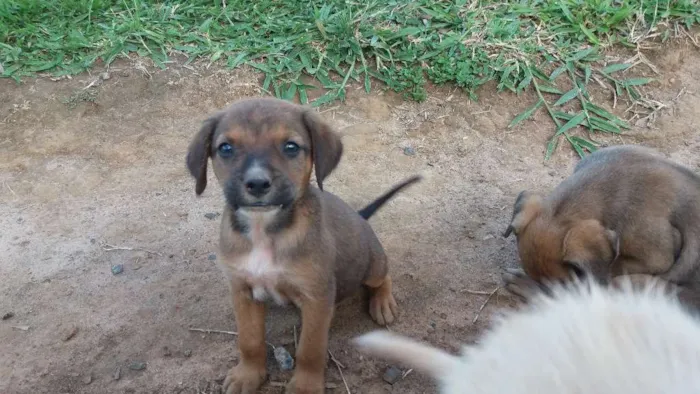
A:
x: 586, y: 338
x: 282, y: 240
x: 625, y: 210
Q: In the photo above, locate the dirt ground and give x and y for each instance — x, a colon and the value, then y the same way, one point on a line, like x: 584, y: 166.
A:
x: 91, y: 178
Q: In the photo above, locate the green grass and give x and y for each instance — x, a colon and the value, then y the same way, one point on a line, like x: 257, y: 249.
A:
x: 553, y: 48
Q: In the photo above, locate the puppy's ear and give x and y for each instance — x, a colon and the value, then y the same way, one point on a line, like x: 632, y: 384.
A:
x: 590, y: 249
x: 199, y: 152
x: 527, y: 206
x: 326, y: 147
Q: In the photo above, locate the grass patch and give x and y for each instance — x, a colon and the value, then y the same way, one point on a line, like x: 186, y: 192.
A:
x: 541, y: 45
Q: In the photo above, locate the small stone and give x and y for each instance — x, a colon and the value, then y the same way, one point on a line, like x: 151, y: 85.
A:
x: 117, y: 269
x: 409, y: 151
x: 8, y: 315
x: 105, y: 76
x: 392, y: 375
x: 284, y: 359
x: 137, y: 366
x: 70, y: 334
x: 212, y: 257
x: 443, y: 316
x: 211, y: 215
x: 87, y: 380
x: 187, y: 352
x: 486, y: 238
x: 117, y: 374
x: 166, y: 352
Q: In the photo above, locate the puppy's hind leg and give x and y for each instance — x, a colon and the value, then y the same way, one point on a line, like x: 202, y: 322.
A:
x: 382, y: 305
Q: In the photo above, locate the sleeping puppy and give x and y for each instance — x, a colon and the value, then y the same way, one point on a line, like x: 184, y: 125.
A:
x: 586, y: 338
x: 283, y: 240
x: 625, y: 210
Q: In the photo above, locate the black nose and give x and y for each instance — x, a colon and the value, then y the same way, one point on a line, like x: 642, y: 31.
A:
x: 258, y: 186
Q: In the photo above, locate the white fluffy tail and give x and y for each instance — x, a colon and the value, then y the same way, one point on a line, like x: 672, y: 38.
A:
x: 421, y: 357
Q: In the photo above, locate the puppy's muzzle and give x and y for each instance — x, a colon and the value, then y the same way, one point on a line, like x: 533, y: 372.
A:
x: 259, y: 187
x: 257, y: 181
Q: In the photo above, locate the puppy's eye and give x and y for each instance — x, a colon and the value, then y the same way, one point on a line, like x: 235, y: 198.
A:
x: 225, y: 150
x: 575, y: 269
x: 291, y: 149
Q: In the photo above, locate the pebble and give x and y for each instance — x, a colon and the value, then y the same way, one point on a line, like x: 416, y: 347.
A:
x: 284, y: 359
x: 105, y: 76
x: 137, y: 366
x: 117, y: 374
x: 443, y: 316
x: 211, y: 215
x: 8, y: 315
x: 70, y: 334
x: 187, y: 352
x: 409, y: 151
x: 117, y: 269
x: 212, y: 257
x: 87, y: 380
x: 392, y: 375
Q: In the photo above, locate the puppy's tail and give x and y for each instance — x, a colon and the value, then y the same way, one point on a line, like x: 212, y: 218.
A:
x: 370, y: 209
x: 426, y: 359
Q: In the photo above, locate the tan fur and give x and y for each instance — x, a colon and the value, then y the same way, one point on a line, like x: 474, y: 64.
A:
x: 295, y: 244
x: 586, y: 338
x: 624, y: 211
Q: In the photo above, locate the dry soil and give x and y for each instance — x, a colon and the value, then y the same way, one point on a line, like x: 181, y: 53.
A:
x: 94, y: 177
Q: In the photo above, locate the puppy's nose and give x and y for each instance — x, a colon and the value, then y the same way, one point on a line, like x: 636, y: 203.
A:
x: 258, y: 186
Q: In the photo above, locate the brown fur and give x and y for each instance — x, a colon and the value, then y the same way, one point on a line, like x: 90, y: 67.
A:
x: 308, y: 247
x: 624, y: 211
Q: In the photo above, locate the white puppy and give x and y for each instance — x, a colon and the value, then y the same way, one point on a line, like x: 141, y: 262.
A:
x: 584, y: 339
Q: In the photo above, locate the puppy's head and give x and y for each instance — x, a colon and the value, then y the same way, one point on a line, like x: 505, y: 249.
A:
x: 263, y: 152
x: 555, y: 249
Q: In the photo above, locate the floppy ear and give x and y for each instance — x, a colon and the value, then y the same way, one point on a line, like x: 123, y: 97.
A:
x: 527, y: 206
x: 199, y: 152
x: 591, y: 248
x: 326, y: 147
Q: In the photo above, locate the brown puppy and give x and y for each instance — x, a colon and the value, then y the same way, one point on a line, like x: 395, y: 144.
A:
x: 625, y: 210
x: 283, y: 240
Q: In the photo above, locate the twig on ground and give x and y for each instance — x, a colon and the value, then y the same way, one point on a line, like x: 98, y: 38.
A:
x: 340, y: 369
x: 329, y: 385
x: 406, y: 373
x: 209, y: 331
x: 478, y: 313
x: 335, y: 360
x: 296, y: 343
x: 111, y: 248
x: 10, y: 189
x: 477, y: 292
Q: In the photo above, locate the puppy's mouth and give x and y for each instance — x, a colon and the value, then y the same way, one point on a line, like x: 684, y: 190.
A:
x: 261, y: 207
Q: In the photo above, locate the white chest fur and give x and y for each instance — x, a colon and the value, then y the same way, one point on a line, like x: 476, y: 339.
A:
x: 260, y: 268
x: 263, y: 274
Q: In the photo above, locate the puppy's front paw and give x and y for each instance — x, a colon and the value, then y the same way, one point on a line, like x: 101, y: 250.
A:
x: 305, y: 383
x: 243, y: 379
x: 519, y: 284
x: 383, y: 307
